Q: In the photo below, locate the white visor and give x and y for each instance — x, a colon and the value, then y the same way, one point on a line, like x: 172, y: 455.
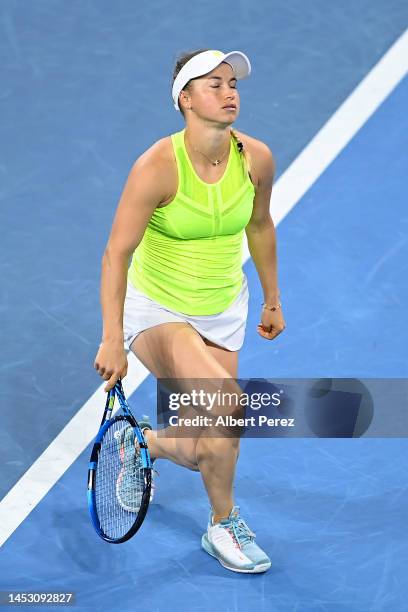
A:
x: 205, y: 62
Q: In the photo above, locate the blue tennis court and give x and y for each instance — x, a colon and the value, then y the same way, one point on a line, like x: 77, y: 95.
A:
x: 86, y: 89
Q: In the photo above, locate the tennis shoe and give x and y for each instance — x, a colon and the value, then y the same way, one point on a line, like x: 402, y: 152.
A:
x: 130, y: 482
x: 233, y: 544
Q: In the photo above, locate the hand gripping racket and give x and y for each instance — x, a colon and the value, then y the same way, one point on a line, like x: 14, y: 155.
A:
x: 119, y: 474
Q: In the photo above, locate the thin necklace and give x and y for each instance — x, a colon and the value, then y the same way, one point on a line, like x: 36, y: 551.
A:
x: 217, y: 161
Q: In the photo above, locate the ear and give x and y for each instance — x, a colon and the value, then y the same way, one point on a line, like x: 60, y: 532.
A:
x: 184, y: 99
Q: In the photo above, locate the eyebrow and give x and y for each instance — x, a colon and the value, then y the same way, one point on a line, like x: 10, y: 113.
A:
x: 220, y: 78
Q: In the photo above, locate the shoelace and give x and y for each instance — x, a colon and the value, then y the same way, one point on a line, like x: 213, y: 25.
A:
x: 135, y: 467
x: 134, y: 470
x: 240, y: 531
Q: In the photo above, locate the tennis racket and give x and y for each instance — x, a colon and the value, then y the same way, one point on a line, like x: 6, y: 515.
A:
x: 119, y: 474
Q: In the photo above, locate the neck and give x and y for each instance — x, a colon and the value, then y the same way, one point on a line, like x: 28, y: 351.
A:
x: 212, y: 141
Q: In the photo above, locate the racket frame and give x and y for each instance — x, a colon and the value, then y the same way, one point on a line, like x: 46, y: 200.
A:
x: 106, y: 422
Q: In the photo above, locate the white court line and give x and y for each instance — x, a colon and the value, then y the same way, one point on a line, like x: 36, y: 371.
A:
x: 288, y: 190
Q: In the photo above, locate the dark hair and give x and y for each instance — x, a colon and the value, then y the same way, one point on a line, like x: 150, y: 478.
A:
x: 182, y: 59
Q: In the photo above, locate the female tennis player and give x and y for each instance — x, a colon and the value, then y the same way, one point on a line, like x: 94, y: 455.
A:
x: 181, y: 306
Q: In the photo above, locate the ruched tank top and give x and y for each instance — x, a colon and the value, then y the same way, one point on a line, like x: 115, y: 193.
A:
x: 190, y: 256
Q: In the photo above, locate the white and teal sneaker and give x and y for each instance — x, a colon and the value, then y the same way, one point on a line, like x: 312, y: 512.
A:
x: 129, y: 485
x: 232, y: 543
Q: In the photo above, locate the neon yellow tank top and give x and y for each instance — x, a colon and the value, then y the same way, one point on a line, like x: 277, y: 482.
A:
x: 190, y: 256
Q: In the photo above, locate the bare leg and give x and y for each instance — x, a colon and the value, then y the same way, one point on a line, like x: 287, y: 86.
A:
x: 176, y: 350
x: 167, y: 448
x: 216, y: 458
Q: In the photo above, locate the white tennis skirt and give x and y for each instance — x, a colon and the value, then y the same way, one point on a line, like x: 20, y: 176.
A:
x: 227, y: 328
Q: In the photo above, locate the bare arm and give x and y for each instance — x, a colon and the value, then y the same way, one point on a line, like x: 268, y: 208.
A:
x: 260, y: 230
x: 143, y: 191
x: 261, y: 238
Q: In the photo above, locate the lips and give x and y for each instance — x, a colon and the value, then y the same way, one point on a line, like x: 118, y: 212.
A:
x: 230, y: 106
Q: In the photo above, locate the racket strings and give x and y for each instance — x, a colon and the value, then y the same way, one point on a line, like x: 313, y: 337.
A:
x: 120, y: 480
